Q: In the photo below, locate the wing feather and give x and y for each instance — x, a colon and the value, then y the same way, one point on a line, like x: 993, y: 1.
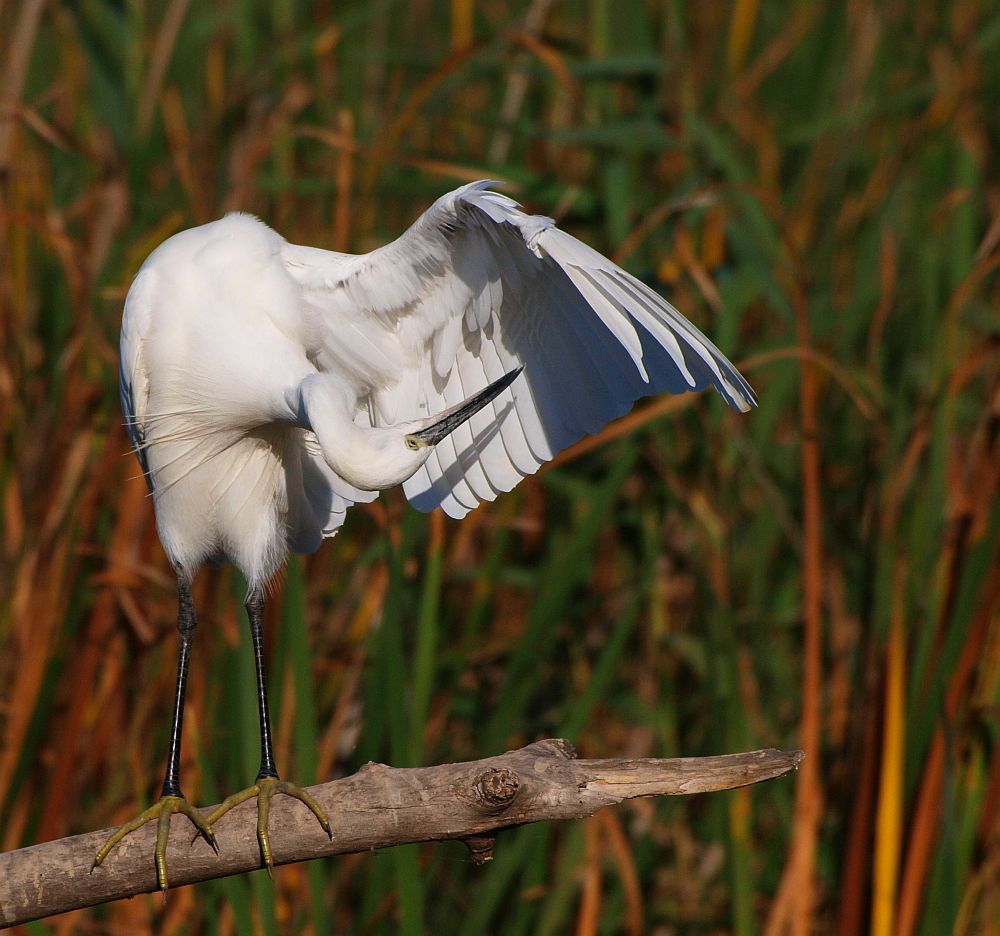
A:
x: 473, y: 289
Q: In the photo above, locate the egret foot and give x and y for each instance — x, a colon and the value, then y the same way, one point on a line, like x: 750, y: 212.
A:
x: 264, y: 789
x: 162, y: 810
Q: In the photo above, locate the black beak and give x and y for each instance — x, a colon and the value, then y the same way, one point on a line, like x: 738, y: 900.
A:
x: 451, y: 419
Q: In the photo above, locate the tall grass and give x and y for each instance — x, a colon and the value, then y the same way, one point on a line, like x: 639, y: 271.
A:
x: 814, y: 184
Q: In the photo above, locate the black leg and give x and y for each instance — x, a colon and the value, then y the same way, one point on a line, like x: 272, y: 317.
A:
x: 255, y: 612
x: 171, y: 799
x: 186, y: 624
x: 268, y: 783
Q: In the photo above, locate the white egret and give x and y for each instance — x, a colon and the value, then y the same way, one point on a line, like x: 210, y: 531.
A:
x: 267, y: 387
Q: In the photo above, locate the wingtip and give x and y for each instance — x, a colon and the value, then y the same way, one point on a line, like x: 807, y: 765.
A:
x: 740, y: 396
x: 741, y: 399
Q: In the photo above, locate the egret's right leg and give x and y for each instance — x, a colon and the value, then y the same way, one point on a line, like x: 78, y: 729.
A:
x: 268, y: 784
x: 171, y: 800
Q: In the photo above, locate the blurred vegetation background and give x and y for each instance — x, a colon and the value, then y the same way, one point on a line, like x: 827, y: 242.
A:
x: 815, y: 184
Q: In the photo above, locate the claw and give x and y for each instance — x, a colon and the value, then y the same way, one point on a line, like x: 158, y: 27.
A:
x: 265, y: 789
x: 161, y: 811
x: 290, y: 789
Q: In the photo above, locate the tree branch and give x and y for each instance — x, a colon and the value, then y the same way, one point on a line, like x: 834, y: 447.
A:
x: 377, y: 807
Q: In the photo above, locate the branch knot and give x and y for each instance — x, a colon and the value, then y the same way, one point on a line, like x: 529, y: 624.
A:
x: 497, y: 786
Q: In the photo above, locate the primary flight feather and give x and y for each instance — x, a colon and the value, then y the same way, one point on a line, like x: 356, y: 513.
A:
x: 268, y: 387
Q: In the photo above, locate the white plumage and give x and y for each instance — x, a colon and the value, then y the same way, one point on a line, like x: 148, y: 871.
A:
x: 268, y: 387
x: 226, y: 323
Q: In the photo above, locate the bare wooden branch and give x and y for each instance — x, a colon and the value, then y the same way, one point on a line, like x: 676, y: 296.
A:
x: 377, y: 807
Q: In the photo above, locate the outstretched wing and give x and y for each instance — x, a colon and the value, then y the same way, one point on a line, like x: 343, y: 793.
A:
x: 473, y: 289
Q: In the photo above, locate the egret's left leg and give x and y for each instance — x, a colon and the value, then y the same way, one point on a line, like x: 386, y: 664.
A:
x: 268, y: 783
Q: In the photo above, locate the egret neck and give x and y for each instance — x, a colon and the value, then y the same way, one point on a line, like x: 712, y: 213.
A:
x: 374, y: 458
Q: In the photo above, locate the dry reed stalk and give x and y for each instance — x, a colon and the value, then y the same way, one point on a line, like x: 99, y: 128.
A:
x: 926, y: 812
x: 855, y: 877
x: 404, y: 120
x: 344, y: 175
x: 516, y: 87
x: 70, y: 740
x: 163, y: 47
x: 794, y: 904
x: 889, y: 815
x: 591, y: 893
x: 18, y: 58
x: 621, y: 851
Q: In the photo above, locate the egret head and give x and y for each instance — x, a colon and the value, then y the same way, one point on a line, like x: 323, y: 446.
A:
x: 433, y: 430
x: 403, y: 449
x: 379, y: 457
